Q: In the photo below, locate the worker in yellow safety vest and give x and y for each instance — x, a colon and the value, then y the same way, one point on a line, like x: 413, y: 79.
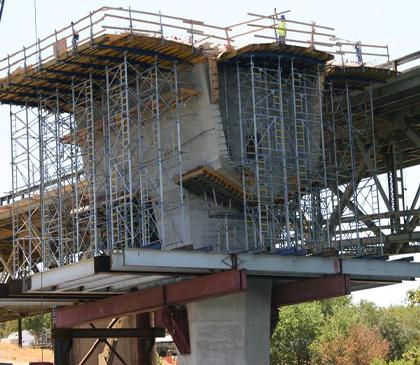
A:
x: 281, y: 30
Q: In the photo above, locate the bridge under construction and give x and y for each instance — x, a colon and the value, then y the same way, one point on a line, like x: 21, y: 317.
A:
x: 212, y: 177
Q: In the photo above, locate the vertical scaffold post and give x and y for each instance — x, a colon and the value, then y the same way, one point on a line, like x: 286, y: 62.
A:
x: 283, y: 152
x: 28, y: 176
x: 375, y: 166
x: 42, y: 181
x: 335, y: 172
x: 324, y: 162
x: 179, y: 151
x: 15, y: 216
x: 106, y: 151
x: 297, y: 157
x: 241, y: 136
x: 130, y: 152
x: 256, y: 155
x: 58, y: 151
x: 159, y: 154
x: 75, y: 164
x: 354, y: 181
x: 119, y: 157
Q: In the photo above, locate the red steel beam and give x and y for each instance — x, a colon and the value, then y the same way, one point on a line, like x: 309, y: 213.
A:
x: 151, y: 299
x: 175, y: 320
x: 310, y: 289
x: 145, y: 346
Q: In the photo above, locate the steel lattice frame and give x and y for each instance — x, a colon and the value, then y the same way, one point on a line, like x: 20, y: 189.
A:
x: 85, y: 183
x: 281, y: 129
x: 25, y: 185
x: 56, y: 188
x: 352, y: 170
x: 90, y: 166
x: 93, y: 165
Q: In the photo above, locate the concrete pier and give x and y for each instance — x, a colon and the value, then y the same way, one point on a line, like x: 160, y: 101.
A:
x: 231, y: 330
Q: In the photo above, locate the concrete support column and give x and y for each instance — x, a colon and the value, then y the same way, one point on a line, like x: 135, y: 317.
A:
x: 231, y: 330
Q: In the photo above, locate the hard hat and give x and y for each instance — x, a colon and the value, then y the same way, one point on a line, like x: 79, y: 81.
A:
x: 282, y: 16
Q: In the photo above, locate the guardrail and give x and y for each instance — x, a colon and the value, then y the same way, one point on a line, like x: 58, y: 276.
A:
x: 309, y: 34
x: 107, y: 19
x: 404, y: 60
x: 189, y: 31
x: 6, y: 199
x: 358, y: 49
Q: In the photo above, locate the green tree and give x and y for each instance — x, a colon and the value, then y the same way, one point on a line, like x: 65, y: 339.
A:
x: 6, y: 328
x: 411, y: 357
x: 330, y: 306
x: 388, y: 325
x: 360, y: 346
x: 413, y: 297
x: 36, y: 324
x: 317, y: 333
x: 408, y: 319
x: 297, y: 328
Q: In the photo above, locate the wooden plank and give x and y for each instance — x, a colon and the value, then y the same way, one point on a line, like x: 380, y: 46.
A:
x: 214, y: 80
x: 39, y: 77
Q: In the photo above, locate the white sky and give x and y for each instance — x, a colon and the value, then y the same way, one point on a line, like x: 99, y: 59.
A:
x: 373, y: 21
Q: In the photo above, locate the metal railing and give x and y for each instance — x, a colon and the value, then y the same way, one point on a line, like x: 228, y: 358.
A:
x: 297, y: 32
x: 167, y: 27
x: 106, y: 20
x: 368, y: 53
x: 403, y: 61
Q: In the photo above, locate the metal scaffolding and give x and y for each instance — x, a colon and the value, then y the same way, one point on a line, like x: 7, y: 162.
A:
x: 99, y: 144
x: 352, y: 170
x: 89, y: 168
x: 25, y: 153
x: 280, y: 124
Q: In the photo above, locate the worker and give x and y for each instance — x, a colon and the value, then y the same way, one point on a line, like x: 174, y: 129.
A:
x: 281, y: 30
x: 358, y: 49
x: 75, y: 39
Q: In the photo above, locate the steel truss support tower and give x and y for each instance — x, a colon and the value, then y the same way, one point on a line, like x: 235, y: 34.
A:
x: 352, y: 170
x: 91, y: 166
x: 24, y: 123
x: 281, y: 156
x: 84, y: 168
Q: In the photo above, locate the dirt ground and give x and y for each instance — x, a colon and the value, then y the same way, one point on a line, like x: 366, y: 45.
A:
x: 22, y: 356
